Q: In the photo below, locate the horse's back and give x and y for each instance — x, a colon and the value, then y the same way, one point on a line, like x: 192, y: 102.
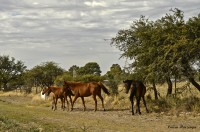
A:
x: 140, y: 88
x: 58, y: 91
x: 80, y: 89
x: 143, y: 88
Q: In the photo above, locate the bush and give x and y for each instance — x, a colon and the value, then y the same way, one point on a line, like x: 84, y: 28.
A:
x: 113, y: 85
x: 170, y: 104
x: 192, y: 104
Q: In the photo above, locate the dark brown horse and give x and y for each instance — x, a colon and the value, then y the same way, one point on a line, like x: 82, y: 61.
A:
x: 137, y: 89
x: 59, y: 92
x: 86, y: 89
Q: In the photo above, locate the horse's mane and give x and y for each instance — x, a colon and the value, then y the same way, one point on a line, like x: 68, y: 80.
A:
x: 73, y: 84
x: 54, y: 88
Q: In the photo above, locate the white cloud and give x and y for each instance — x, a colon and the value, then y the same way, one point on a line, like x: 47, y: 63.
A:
x: 72, y: 32
x: 94, y: 3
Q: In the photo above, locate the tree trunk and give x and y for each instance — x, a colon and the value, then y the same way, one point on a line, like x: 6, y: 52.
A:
x: 169, y: 82
x: 194, y: 83
x: 155, y: 91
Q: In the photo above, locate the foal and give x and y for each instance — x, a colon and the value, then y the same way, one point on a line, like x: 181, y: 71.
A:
x: 138, y: 90
x: 59, y: 92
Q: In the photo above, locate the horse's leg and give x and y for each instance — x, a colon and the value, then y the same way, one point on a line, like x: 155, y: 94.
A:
x: 84, y: 108
x: 132, y: 103
x: 102, y: 101
x: 70, y: 100
x: 67, y: 103
x: 62, y: 103
x: 55, y: 106
x: 138, y: 104
x: 95, y: 100
x: 75, y: 98
x: 53, y: 103
x: 145, y: 104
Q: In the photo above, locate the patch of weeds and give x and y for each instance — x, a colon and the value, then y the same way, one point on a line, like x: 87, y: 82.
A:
x: 7, y: 124
x: 191, y: 103
x: 85, y: 128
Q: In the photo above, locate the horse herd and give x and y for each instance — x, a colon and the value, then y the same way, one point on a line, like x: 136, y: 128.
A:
x: 79, y: 89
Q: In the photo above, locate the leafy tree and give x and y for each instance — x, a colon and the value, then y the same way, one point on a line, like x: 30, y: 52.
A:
x: 10, y: 71
x: 115, y: 72
x: 90, y: 68
x: 73, y: 70
x: 89, y: 78
x: 162, y: 49
x: 66, y: 76
x: 44, y: 74
x: 114, y: 76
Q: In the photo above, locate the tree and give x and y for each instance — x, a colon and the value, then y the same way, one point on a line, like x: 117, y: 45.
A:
x: 114, y: 77
x: 10, y: 70
x: 115, y: 72
x: 162, y: 49
x: 90, y: 68
x: 73, y: 70
x: 44, y: 74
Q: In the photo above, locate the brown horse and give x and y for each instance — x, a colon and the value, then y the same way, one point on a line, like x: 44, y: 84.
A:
x: 86, y: 89
x: 59, y: 92
x: 137, y: 89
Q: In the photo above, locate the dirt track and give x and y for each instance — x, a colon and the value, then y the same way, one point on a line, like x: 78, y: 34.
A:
x: 43, y: 118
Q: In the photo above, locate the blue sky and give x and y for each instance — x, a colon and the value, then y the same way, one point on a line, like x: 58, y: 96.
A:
x: 72, y: 32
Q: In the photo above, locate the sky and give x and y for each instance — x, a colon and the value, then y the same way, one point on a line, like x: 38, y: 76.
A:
x: 75, y: 32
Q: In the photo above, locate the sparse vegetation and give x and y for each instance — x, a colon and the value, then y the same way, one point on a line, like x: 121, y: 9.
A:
x: 28, y: 112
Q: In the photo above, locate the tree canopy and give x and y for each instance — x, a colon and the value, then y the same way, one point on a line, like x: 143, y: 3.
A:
x: 90, y: 68
x: 10, y: 71
x: 164, y: 48
x: 44, y: 74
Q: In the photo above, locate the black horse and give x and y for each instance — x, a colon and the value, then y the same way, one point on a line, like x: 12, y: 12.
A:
x: 137, y: 89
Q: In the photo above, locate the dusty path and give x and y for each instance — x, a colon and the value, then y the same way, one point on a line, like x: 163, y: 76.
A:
x: 28, y: 116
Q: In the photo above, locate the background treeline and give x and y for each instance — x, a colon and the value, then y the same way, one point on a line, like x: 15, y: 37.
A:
x: 14, y: 74
x: 161, y: 51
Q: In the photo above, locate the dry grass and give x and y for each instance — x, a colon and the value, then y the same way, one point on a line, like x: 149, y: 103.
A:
x: 30, y: 113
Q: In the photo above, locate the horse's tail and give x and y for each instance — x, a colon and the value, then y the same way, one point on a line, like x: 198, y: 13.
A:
x: 104, y: 88
x: 143, y: 88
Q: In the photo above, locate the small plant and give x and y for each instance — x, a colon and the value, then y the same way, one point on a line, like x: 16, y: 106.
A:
x: 192, y: 104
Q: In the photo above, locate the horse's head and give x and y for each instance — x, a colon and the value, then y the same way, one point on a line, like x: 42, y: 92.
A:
x: 46, y: 90
x: 66, y: 85
x: 127, y: 85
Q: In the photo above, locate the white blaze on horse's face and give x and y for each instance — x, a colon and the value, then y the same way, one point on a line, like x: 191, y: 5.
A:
x: 43, y: 91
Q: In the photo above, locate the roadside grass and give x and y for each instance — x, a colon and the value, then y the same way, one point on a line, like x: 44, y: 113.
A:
x: 28, y: 118
x: 20, y: 112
